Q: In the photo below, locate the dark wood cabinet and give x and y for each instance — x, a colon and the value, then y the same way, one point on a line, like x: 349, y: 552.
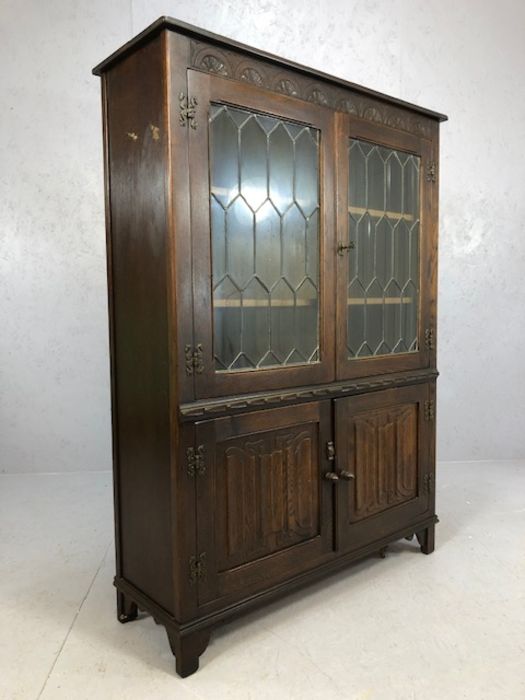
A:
x: 272, y: 256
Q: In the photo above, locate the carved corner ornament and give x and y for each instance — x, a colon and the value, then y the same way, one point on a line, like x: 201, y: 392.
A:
x: 431, y: 172
x: 187, y: 109
x: 155, y: 132
x: 429, y: 483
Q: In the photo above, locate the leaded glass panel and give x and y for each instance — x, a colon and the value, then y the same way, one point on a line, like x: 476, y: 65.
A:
x: 384, y: 224
x: 264, y: 214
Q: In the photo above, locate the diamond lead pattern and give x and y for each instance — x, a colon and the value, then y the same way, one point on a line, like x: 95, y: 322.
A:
x: 383, y: 220
x: 264, y: 213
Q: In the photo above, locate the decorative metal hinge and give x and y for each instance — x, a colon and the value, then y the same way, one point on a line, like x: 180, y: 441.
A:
x: 193, y: 359
x: 196, y: 460
x: 187, y: 107
x: 428, y: 483
x: 198, y: 568
x: 330, y: 450
x: 431, y: 171
x: 429, y: 410
x: 429, y: 339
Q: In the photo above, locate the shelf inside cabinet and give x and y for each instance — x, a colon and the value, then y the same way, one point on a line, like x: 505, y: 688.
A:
x: 262, y: 303
x: 380, y: 213
x: 359, y: 211
x: 380, y: 300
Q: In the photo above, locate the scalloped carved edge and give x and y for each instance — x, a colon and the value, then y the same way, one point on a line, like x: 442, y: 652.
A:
x: 214, y: 407
x: 231, y: 64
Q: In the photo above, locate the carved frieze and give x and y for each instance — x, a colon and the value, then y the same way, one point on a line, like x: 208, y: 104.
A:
x: 250, y: 75
x: 232, y: 64
x: 214, y: 65
x: 285, y: 86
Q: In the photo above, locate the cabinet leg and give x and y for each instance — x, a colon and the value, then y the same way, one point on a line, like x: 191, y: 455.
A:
x: 426, y: 539
x: 187, y: 650
x: 126, y: 608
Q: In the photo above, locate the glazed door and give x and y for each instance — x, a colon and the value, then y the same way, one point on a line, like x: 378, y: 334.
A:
x: 264, y: 511
x: 386, y: 250
x: 384, y: 448
x: 262, y: 220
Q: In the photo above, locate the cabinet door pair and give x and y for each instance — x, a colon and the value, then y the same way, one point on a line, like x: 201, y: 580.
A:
x: 312, y: 242
x: 287, y: 488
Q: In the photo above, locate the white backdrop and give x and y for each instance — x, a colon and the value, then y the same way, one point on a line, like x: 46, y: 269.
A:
x: 464, y: 58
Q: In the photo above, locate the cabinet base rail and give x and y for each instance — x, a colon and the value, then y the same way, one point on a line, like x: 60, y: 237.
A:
x: 188, y: 640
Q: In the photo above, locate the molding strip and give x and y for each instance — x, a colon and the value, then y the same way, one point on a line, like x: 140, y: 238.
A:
x: 215, y: 407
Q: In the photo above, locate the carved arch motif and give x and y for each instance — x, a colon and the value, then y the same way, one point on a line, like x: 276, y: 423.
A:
x: 231, y: 64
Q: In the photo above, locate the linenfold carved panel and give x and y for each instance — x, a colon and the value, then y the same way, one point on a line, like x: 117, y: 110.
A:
x: 231, y: 64
x: 385, y: 459
x: 267, y: 493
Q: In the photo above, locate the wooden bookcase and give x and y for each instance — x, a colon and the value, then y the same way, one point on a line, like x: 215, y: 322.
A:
x: 272, y: 265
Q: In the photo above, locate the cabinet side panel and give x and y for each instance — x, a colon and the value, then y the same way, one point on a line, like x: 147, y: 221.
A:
x: 137, y: 228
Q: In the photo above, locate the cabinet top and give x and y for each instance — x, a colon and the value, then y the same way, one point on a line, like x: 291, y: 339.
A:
x: 189, y: 30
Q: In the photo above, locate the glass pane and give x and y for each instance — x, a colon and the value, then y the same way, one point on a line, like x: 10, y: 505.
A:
x: 264, y: 214
x: 383, y: 265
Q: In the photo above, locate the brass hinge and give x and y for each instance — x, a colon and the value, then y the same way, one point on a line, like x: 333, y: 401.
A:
x: 428, y: 483
x: 187, y: 107
x: 429, y: 410
x: 196, y: 460
x: 198, y: 568
x: 431, y: 171
x: 429, y: 339
x: 193, y: 359
x: 330, y: 450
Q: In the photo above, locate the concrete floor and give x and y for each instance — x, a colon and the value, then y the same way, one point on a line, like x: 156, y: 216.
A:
x: 447, y: 626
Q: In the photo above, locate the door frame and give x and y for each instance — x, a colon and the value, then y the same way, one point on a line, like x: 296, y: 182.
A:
x: 231, y: 585
x: 206, y: 88
x: 349, y: 127
x: 352, y: 535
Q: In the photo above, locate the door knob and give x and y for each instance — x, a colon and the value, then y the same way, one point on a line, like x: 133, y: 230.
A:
x: 331, y: 476
x: 347, y: 476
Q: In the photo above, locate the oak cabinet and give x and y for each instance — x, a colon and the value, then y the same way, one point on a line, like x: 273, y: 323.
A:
x: 272, y: 256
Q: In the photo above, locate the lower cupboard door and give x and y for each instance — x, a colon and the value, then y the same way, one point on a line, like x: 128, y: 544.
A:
x: 384, y: 448
x: 264, y: 512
